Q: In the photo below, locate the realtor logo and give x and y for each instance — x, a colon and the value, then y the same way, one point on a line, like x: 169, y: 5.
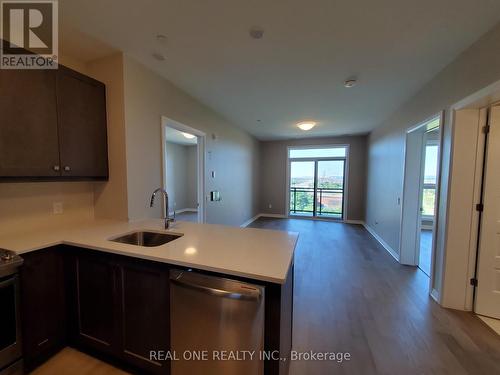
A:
x: 29, y: 35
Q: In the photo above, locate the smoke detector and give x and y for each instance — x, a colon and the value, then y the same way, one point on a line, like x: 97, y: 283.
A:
x: 161, y: 38
x: 158, y: 56
x: 256, y: 32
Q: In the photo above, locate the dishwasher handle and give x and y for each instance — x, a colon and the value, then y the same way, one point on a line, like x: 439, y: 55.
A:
x: 222, y: 287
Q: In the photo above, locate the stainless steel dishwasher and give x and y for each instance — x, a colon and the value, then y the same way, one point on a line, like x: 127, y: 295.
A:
x: 216, y: 325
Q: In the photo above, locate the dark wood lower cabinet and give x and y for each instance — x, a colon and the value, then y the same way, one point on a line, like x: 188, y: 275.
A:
x: 95, y: 294
x: 118, y: 309
x: 145, y: 317
x: 42, y: 306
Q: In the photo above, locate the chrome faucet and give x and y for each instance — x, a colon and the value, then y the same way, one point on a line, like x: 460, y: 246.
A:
x: 166, y: 216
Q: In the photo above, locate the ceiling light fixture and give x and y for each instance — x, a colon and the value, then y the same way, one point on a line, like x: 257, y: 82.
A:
x: 351, y: 82
x: 187, y: 135
x: 306, y: 125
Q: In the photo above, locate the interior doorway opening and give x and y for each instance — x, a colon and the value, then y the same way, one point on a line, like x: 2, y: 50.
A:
x: 317, y: 181
x: 428, y: 198
x: 420, y: 195
x: 183, y: 170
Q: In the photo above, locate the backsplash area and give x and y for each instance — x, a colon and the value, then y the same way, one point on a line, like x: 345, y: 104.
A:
x: 39, y: 204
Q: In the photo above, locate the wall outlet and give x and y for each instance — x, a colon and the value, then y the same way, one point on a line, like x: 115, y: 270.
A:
x: 57, y: 208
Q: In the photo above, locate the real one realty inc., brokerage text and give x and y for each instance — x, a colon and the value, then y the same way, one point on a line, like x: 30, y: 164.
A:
x: 246, y: 355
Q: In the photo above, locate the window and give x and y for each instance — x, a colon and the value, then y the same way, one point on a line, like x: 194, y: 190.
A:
x: 331, y: 152
x: 430, y: 180
x: 317, y: 179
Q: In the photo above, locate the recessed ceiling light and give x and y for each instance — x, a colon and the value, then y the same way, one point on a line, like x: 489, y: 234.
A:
x: 187, y: 135
x: 351, y: 82
x: 256, y: 32
x: 306, y: 125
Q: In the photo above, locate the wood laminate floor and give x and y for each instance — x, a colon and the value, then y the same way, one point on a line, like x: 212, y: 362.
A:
x: 352, y: 297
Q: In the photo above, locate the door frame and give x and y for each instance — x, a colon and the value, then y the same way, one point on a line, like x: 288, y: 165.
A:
x: 346, y: 178
x: 168, y: 122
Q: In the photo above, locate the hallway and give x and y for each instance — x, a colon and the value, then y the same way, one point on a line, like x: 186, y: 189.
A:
x: 352, y: 296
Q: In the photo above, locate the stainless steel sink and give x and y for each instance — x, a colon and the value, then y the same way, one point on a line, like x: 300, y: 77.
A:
x: 147, y: 239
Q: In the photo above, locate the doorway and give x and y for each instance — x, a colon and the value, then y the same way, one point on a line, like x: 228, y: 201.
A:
x: 428, y: 198
x: 420, y: 195
x: 183, y: 170
x: 316, y: 182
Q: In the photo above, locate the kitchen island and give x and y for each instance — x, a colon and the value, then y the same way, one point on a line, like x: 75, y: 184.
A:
x: 113, y: 300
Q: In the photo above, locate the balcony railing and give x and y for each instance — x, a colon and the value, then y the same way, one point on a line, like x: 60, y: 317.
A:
x: 329, y: 202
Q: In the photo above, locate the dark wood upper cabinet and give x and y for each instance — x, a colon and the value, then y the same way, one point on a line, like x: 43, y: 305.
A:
x: 52, y: 126
x: 28, y: 124
x: 81, y: 111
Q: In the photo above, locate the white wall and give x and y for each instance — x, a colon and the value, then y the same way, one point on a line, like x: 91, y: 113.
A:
x: 110, y: 198
x: 274, y: 166
x: 181, y: 173
x: 475, y: 68
x: 233, y: 154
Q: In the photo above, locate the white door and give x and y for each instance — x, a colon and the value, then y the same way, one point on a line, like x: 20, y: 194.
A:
x: 488, y: 290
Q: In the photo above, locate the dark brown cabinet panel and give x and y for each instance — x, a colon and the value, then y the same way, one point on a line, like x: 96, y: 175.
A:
x: 119, y: 307
x: 81, y: 109
x: 28, y: 124
x: 52, y: 126
x: 144, y: 313
x: 42, y: 305
x: 96, y: 313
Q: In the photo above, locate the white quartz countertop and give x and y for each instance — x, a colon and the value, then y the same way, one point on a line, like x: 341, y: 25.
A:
x: 259, y: 254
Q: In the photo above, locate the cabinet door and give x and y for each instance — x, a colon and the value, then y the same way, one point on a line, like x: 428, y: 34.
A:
x: 81, y: 109
x: 96, y: 315
x: 28, y: 130
x: 145, y: 314
x: 42, y: 305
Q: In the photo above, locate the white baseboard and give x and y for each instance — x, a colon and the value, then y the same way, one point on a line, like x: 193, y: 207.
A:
x: 384, y: 244
x: 435, y: 295
x: 357, y: 222
x: 183, y: 210
x: 250, y: 221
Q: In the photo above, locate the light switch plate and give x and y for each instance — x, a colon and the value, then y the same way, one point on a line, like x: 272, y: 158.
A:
x: 57, y: 208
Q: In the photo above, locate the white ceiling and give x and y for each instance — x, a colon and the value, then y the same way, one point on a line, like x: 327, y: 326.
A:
x: 175, y: 136
x: 296, y: 71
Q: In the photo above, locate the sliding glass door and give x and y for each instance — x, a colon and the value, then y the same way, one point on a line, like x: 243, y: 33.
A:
x: 317, y: 180
x: 330, y: 188
x: 302, y: 183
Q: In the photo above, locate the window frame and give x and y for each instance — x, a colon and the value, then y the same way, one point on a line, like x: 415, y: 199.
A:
x: 346, y: 176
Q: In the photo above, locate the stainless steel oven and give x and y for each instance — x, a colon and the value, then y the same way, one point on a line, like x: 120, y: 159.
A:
x: 10, y: 319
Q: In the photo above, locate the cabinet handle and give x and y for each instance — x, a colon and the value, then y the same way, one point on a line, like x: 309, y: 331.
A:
x: 56, y: 168
x: 43, y: 342
x: 67, y: 168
